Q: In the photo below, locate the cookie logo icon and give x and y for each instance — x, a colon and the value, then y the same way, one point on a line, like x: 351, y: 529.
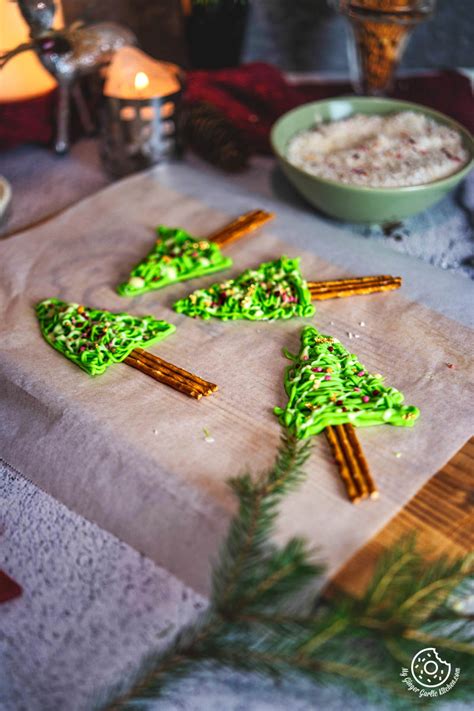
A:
x: 428, y: 669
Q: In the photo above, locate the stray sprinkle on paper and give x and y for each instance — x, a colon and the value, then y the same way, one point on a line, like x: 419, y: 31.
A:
x: 155, y: 432
x: 362, y: 323
x: 451, y: 365
x: 207, y: 436
x: 398, y: 454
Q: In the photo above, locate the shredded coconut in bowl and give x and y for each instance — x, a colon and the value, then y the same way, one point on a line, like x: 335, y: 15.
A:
x: 391, y: 151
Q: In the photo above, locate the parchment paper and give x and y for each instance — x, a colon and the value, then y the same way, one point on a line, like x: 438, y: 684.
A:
x: 131, y: 454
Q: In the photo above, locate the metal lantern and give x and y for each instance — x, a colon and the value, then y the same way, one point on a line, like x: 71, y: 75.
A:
x: 140, y: 113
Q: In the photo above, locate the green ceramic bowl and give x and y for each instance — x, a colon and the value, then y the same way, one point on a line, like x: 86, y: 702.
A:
x: 356, y: 203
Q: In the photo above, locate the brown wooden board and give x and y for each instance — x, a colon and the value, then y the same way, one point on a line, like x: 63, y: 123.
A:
x: 442, y: 514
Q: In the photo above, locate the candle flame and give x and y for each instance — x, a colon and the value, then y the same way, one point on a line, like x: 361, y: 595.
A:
x: 141, y: 81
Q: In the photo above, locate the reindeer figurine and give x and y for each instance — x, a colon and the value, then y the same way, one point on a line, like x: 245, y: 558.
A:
x: 68, y: 54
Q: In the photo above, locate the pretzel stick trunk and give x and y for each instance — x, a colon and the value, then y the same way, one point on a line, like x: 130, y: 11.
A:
x: 240, y: 227
x: 340, y: 459
x: 170, y: 375
x: 186, y: 382
x: 351, y: 280
x: 174, y: 370
x: 371, y: 488
x: 162, y: 378
x: 339, y: 288
x: 352, y: 464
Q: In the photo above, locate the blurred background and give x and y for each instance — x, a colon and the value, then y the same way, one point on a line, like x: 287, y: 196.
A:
x: 296, y: 35
x: 225, y: 117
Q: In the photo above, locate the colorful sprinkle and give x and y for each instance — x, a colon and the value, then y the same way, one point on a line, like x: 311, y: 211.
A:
x: 103, y: 338
x: 176, y: 256
x: 333, y: 399
x: 274, y: 290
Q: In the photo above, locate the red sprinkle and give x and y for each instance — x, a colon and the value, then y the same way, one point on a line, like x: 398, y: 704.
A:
x: 375, y: 393
x: 357, y: 390
x: 339, y: 402
x: 327, y: 377
x: 317, y: 370
x: 451, y: 365
x: 365, y: 398
x: 361, y: 373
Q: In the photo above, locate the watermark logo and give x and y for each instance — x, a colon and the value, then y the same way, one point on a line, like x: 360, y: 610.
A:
x: 429, y: 675
x: 428, y: 669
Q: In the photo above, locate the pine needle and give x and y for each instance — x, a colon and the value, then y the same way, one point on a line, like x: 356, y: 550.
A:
x: 264, y: 616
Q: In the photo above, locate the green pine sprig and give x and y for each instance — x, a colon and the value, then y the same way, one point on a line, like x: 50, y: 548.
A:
x: 265, y: 614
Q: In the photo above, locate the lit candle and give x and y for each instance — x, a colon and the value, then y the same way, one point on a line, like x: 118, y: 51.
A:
x: 132, y: 74
x: 140, y: 111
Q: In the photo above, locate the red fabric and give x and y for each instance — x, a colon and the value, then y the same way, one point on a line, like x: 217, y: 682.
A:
x: 8, y: 588
x: 253, y: 96
x: 29, y: 121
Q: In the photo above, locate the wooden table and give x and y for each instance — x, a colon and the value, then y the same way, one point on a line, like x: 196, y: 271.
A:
x: 442, y: 513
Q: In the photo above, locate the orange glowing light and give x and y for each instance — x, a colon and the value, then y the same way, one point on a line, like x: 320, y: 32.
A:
x: 132, y: 74
x: 23, y: 77
x: 141, y: 81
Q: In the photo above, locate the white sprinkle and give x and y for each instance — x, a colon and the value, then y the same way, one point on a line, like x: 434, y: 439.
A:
x: 398, y: 454
x: 207, y: 436
x: 136, y: 282
x: 362, y: 323
x: 155, y: 432
x: 356, y: 335
x: 331, y: 323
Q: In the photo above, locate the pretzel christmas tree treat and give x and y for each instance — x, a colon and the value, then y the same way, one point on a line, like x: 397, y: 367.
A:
x: 95, y: 339
x: 178, y: 256
x: 327, y: 385
x: 175, y: 257
x: 329, y: 389
x: 273, y: 290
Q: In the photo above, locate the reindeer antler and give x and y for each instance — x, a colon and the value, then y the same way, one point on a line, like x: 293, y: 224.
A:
x: 4, y: 58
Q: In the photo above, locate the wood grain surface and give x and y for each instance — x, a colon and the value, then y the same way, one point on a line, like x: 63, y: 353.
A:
x: 442, y: 513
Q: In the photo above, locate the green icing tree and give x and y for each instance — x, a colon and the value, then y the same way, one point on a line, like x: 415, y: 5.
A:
x: 327, y: 385
x: 96, y: 339
x: 273, y: 290
x: 176, y: 256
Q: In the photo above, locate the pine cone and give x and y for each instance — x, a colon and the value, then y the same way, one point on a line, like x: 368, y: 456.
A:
x: 210, y: 134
